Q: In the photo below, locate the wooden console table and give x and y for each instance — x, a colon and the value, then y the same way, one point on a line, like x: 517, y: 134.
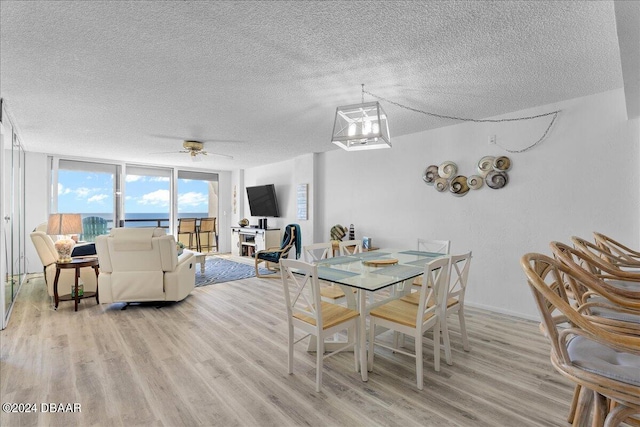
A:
x: 77, y: 264
x: 249, y: 240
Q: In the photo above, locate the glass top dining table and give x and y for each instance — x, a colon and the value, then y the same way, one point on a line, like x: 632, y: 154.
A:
x: 357, y: 271
x: 370, y: 272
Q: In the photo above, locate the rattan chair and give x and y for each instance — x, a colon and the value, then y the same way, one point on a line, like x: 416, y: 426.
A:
x: 605, y: 364
x: 626, y: 256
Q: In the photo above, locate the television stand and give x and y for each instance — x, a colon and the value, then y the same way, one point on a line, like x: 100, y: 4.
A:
x: 245, y: 241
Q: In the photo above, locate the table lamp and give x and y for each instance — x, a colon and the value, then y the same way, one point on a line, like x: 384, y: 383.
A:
x: 65, y: 225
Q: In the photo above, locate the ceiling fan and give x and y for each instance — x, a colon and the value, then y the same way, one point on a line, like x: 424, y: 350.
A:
x: 194, y: 149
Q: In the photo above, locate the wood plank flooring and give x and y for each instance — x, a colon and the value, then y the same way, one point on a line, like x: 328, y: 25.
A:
x: 219, y: 358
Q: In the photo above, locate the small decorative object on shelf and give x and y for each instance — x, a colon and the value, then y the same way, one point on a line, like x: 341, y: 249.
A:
x: 80, y: 290
x: 243, y: 222
x: 338, y: 232
x: 352, y: 232
x: 491, y: 171
x: 180, y: 247
x: 64, y: 248
x: 366, y: 243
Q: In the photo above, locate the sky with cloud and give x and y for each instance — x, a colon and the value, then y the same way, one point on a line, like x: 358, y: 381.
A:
x: 86, y: 192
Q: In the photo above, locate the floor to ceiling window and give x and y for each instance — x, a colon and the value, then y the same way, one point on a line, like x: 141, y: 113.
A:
x: 89, y: 189
x: 131, y: 195
x: 147, y: 200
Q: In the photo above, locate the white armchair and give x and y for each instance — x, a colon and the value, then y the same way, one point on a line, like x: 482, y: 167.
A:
x: 142, y: 264
x: 49, y: 256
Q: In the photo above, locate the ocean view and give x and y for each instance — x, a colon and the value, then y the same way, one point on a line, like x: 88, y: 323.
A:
x: 137, y: 218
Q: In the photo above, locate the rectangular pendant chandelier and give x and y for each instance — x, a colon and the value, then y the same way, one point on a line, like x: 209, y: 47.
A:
x: 361, y: 127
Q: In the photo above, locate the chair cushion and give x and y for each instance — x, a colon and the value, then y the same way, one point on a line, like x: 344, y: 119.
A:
x: 270, y: 256
x: 602, y: 360
x: 625, y: 285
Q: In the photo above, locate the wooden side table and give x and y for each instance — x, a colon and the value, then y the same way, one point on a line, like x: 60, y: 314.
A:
x: 77, y: 264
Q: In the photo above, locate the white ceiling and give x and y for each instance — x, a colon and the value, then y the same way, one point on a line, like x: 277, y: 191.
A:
x: 122, y: 80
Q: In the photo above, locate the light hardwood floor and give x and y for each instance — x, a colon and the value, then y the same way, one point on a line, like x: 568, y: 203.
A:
x: 219, y: 358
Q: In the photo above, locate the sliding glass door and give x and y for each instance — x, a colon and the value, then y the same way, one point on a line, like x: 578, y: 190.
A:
x: 197, y: 197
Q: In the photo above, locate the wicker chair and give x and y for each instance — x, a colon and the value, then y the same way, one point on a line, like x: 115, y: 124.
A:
x: 581, y: 350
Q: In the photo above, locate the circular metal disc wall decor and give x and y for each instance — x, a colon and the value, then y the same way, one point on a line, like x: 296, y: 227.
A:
x: 430, y: 174
x: 485, y: 165
x: 475, y: 182
x: 458, y: 186
x: 441, y: 184
x: 491, y: 170
x: 502, y: 164
x: 497, y: 180
x: 447, y: 170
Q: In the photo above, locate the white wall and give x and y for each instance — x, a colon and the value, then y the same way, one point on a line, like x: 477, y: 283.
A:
x: 286, y: 176
x: 36, y: 200
x: 583, y: 177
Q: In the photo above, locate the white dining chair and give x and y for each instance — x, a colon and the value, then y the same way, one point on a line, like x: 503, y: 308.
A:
x: 434, y: 246
x: 329, y: 292
x: 306, y: 311
x: 458, y: 278
x: 350, y: 247
x: 413, y: 320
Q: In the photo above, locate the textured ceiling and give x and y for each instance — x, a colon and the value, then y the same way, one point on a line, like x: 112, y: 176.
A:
x: 123, y: 80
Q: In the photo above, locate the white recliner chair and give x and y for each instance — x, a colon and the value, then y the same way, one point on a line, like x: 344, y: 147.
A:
x: 49, y: 256
x: 142, y: 264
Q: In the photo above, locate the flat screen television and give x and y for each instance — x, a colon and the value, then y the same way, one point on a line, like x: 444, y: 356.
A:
x: 262, y: 200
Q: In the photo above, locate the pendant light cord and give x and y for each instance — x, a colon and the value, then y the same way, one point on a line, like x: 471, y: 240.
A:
x: 553, y: 114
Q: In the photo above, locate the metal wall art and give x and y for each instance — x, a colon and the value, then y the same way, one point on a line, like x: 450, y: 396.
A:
x: 491, y: 170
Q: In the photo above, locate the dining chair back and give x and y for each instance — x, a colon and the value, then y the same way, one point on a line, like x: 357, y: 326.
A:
x: 413, y: 320
x: 437, y: 246
x: 207, y: 235
x: 615, y: 265
x: 591, y: 258
x: 329, y: 292
x: 626, y: 255
x: 581, y: 350
x: 307, y: 312
x: 350, y: 247
x: 458, y: 278
x: 317, y: 251
x: 188, y: 226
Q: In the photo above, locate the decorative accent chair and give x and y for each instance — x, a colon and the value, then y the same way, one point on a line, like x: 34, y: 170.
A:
x: 603, y: 364
x: 207, y: 235
x: 49, y: 256
x: 307, y: 312
x: 142, y: 264
x: 274, y: 254
x: 414, y: 320
x: 93, y: 226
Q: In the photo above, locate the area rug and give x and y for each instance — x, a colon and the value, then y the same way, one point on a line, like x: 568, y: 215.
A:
x: 219, y: 270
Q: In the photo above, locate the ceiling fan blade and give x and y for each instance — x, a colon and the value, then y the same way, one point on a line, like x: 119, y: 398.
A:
x: 216, y: 154
x: 167, y: 152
